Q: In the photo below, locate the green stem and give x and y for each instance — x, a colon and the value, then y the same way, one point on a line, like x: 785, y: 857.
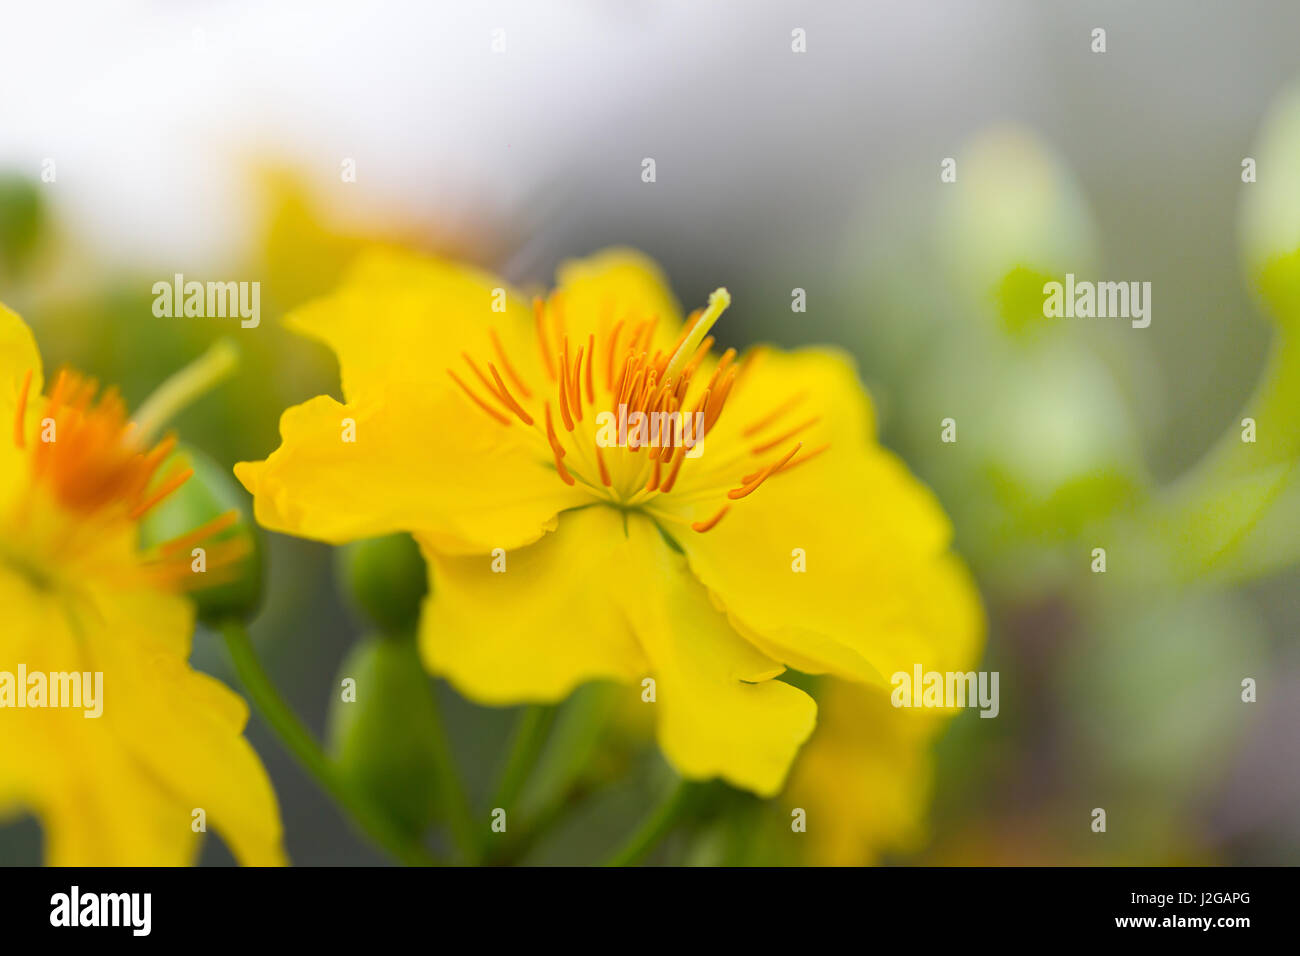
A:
x: 299, y: 742
x: 539, y: 824
x: 199, y: 377
x: 1273, y: 407
x: 558, y: 781
x: 1205, y: 515
x: 662, y: 821
x: 525, y: 747
x: 460, y: 818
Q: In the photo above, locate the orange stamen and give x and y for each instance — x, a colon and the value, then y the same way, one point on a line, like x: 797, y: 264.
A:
x: 492, y: 389
x: 703, y: 526
x: 769, y: 445
x: 650, y: 334
x: 539, y: 314
x: 799, y: 461
x: 478, y: 401
x: 507, y: 365
x: 748, y: 488
x: 617, y: 390
x: 559, y: 466
x: 508, y: 398
x: 20, y: 419
x: 556, y: 447
x: 772, y: 416
x: 600, y: 463
x: 653, y: 483
x: 720, y: 400
x: 170, y: 484
x: 609, y: 356
x: 201, y: 533
x: 697, y: 358
x: 575, y: 385
x: 564, y: 393
x: 667, y: 486
x: 591, y: 353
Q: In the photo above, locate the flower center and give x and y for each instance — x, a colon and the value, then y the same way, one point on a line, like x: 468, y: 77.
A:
x: 649, y: 411
x: 91, y: 474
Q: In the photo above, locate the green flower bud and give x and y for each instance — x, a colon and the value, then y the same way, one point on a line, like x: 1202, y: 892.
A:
x: 1270, y: 211
x: 1015, y: 220
x: 382, y: 725
x: 385, y: 580
x: 231, y: 558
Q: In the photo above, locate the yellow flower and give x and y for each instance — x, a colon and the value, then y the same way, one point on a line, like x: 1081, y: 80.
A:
x: 79, y: 598
x: 478, y: 426
x: 864, y: 779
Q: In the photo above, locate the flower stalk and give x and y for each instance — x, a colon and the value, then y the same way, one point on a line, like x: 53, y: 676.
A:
x: 299, y: 742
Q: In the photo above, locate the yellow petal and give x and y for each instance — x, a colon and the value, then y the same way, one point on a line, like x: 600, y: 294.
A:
x: 604, y: 596
x: 865, y: 777
x: 617, y: 285
x: 880, y: 592
x: 550, y: 621
x: 426, y: 462
x: 120, y: 789
x: 186, y: 728
x: 404, y: 318
x: 720, y: 713
x: 18, y: 356
x: 427, y: 456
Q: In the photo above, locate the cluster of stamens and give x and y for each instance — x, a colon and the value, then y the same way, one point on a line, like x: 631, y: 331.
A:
x: 634, y: 380
x: 90, y: 459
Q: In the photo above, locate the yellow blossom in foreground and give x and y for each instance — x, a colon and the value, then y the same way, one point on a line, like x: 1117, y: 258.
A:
x: 559, y: 553
x: 79, y: 597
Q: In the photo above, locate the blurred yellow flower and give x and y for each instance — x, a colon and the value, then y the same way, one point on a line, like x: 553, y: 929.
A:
x: 116, y: 778
x: 505, y: 440
x: 864, y: 779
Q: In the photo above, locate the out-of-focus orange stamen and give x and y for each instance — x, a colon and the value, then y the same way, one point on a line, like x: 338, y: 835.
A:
x: 20, y: 419
x: 751, y: 430
x: 202, y: 532
x: 170, y: 484
x: 782, y: 439
x: 539, y: 316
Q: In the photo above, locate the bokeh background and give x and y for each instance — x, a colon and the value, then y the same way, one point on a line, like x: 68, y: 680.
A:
x: 207, y: 139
